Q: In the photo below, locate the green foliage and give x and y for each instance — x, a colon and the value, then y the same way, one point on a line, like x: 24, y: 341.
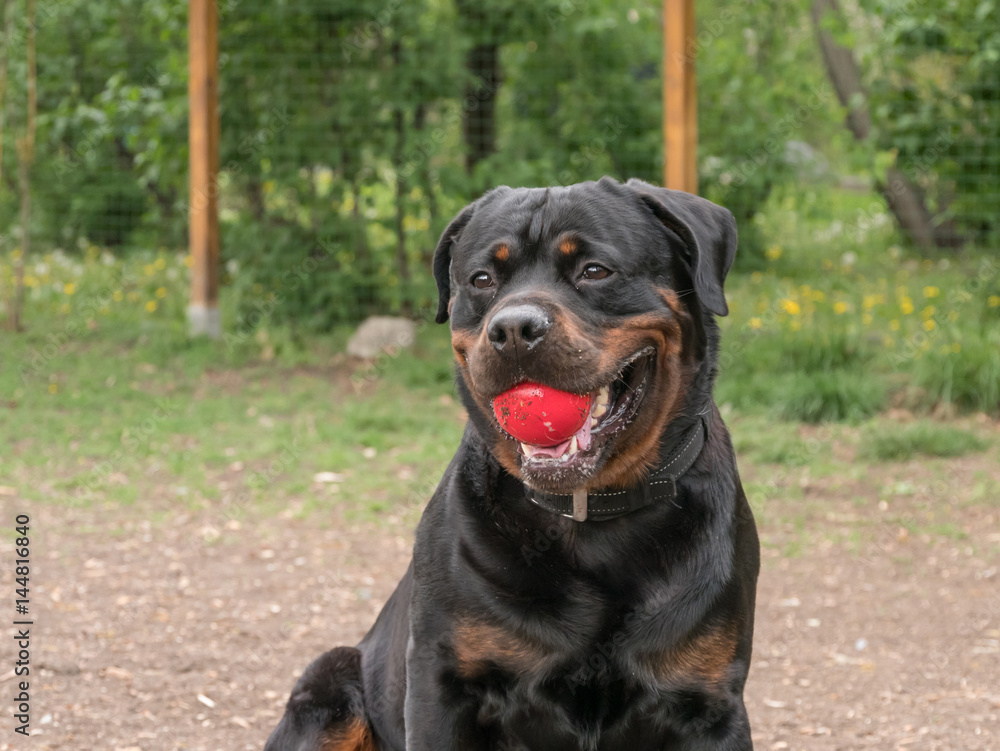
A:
x: 971, y: 381
x: 760, y: 86
x: 893, y: 442
x: 832, y: 395
x: 934, y: 81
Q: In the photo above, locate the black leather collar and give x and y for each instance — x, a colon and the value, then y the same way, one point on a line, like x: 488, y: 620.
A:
x: 661, y: 485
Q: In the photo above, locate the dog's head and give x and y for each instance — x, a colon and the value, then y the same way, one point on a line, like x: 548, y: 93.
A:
x: 597, y: 288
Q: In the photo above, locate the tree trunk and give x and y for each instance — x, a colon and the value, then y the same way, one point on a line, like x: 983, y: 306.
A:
x: 25, y: 157
x: 398, y: 154
x: 479, y: 106
x: 427, y: 180
x: 904, y: 199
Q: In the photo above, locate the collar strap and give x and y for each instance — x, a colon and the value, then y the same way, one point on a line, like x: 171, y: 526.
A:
x: 661, y: 485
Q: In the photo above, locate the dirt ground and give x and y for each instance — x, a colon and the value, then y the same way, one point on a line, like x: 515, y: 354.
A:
x: 181, y: 632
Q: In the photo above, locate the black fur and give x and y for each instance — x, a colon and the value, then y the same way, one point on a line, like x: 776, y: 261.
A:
x: 515, y: 629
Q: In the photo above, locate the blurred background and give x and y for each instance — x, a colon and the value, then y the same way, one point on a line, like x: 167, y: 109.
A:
x: 856, y: 142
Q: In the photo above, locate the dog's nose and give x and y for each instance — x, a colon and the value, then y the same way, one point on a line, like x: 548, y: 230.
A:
x: 517, y: 327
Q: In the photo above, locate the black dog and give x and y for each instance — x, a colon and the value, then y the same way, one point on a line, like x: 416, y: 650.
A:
x: 599, y: 595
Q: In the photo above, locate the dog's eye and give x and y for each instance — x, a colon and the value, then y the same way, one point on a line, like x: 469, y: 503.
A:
x: 482, y: 280
x: 595, y: 271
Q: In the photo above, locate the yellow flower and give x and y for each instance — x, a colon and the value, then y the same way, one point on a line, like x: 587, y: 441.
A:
x: 117, y: 296
x: 756, y: 276
x: 906, y: 306
x: 161, y: 292
x: 932, y: 291
x: 148, y: 269
x: 795, y: 325
x: 818, y: 296
x: 30, y: 281
x: 952, y: 315
x: 870, y: 301
x: 773, y: 253
x: 956, y: 347
x: 929, y: 325
x: 188, y: 260
x: 160, y: 263
x: 69, y: 289
x: 866, y: 319
x: 928, y: 312
x: 791, y: 307
x: 64, y: 308
x: 993, y: 301
x: 894, y: 325
x: 104, y: 310
x: 53, y: 388
x: 840, y: 307
x: 151, y: 306
x: 827, y: 264
x: 755, y: 323
x: 133, y: 296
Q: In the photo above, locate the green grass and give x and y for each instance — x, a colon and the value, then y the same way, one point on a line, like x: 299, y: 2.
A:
x: 892, y: 442
x: 134, y: 413
x: 105, y: 401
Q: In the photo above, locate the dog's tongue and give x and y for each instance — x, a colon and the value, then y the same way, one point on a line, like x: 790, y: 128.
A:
x: 582, y: 437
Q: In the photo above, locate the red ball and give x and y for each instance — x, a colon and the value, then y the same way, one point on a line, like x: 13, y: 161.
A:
x: 541, y: 415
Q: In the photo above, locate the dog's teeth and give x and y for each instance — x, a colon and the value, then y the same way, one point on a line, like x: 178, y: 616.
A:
x: 593, y: 422
x: 599, y: 410
x: 603, y: 396
x: 573, y: 448
x: 527, y: 450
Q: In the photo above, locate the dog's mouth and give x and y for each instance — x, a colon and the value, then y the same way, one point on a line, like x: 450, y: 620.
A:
x: 614, y: 406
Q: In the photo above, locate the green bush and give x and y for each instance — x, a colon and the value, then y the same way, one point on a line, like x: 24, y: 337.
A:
x: 833, y: 395
x: 969, y: 378
x: 900, y: 442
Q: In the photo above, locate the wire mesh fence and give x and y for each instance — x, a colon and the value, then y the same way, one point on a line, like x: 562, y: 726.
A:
x: 352, y: 131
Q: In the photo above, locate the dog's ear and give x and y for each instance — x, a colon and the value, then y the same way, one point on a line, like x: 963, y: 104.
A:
x: 442, y: 260
x: 709, y: 232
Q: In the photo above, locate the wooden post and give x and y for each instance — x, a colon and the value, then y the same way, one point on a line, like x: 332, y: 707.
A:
x: 680, y: 100
x: 203, y: 146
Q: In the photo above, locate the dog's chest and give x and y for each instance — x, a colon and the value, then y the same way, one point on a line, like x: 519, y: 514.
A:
x: 611, y: 689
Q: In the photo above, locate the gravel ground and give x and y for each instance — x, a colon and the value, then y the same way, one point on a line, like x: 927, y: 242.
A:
x: 187, y: 633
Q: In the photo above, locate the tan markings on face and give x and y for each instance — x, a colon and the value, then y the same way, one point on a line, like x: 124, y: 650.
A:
x: 568, y: 245
x: 479, y: 646
x: 671, y: 382
x: 355, y: 736
x: 702, y: 658
x: 502, y: 253
x: 463, y: 343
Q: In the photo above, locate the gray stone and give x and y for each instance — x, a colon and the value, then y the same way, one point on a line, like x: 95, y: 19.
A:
x: 808, y: 163
x: 380, y: 334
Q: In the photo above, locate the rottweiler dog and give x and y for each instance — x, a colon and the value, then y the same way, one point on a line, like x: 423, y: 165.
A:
x: 595, y: 595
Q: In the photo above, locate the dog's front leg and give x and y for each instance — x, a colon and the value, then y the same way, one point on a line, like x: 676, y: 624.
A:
x: 439, y: 715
